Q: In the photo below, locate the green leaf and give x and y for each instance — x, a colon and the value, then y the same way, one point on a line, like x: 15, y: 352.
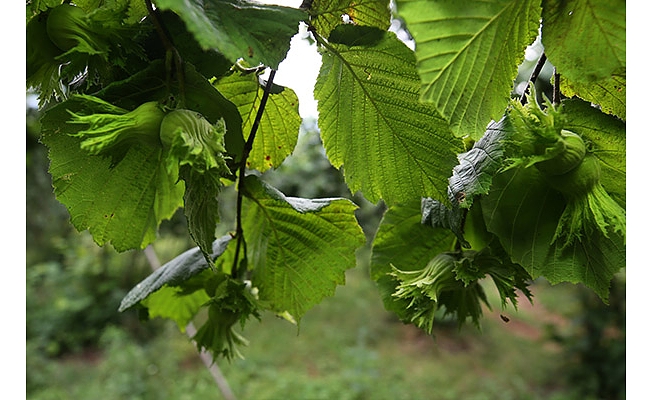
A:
x: 523, y: 211
x: 278, y: 130
x: 201, y: 206
x: 403, y: 241
x: 239, y: 29
x: 118, y: 201
x: 131, y: 11
x: 391, y: 145
x: 298, y: 248
x: 468, y: 54
x: 328, y: 14
x: 137, y: 10
x: 174, y: 273
x: 585, y: 39
x: 42, y: 64
x: 610, y: 94
x: 35, y: 7
x: 169, y: 302
x: 210, y: 63
x: 476, y: 168
x: 607, y: 141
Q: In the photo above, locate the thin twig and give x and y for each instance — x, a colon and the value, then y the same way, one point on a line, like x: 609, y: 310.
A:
x: 241, y: 174
x: 533, y: 77
x: 207, y: 359
x: 165, y: 37
x: 556, y: 91
x: 215, y: 371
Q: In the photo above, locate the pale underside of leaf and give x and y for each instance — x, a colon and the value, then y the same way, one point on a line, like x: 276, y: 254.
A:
x: 477, y: 166
x: 468, y: 55
x: 174, y: 272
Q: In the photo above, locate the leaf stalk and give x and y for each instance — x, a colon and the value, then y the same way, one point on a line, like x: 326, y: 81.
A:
x: 171, y: 50
x: 533, y: 77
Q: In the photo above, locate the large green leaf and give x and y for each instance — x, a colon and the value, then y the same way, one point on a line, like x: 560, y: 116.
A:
x: 523, y: 211
x: 120, y: 201
x: 209, y: 63
x: 327, y: 14
x: 298, y: 248
x: 197, y: 94
x: 391, y: 145
x: 279, y: 126
x: 585, y: 39
x: 240, y: 29
x: 610, y: 94
x: 468, y: 54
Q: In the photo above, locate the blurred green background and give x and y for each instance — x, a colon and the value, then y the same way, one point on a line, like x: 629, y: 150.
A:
x: 567, y: 345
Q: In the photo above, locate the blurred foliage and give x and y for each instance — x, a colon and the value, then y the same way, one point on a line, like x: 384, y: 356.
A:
x: 73, y: 298
x: 46, y: 218
x: 595, y: 347
x: 165, y: 367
